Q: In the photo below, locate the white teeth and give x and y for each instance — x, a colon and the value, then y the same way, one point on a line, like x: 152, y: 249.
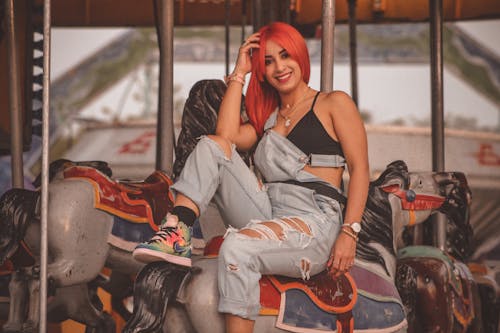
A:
x: 282, y: 77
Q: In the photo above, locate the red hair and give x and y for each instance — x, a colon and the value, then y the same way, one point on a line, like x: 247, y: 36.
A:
x: 262, y: 98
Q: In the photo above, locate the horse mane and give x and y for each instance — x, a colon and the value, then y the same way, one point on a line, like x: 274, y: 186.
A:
x: 18, y: 207
x: 155, y: 287
x: 199, y: 118
x: 459, y: 232
x: 376, y: 223
x: 60, y: 164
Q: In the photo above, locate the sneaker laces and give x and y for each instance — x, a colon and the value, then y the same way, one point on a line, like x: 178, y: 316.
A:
x: 163, y: 234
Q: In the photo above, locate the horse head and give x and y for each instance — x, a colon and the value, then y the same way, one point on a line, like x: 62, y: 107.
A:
x: 398, y: 199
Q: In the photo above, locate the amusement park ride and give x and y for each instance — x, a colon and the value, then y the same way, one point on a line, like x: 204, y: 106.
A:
x: 52, y: 251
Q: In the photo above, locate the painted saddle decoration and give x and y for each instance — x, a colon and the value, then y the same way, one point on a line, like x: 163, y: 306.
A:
x: 301, y: 304
x: 137, y: 207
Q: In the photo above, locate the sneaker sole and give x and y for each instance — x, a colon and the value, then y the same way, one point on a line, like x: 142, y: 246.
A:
x: 148, y: 256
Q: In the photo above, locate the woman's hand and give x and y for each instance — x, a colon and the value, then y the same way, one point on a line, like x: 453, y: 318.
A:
x: 244, y: 62
x: 342, y: 255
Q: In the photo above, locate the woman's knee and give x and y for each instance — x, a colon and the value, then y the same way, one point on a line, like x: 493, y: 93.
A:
x: 234, y: 251
x: 224, y: 144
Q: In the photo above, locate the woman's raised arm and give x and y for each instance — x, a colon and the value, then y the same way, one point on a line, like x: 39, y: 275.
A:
x: 229, y: 124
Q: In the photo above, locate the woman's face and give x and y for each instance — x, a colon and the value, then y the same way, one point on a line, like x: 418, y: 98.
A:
x: 282, y: 72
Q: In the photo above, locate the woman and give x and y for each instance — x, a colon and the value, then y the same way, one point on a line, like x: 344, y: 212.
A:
x: 292, y: 223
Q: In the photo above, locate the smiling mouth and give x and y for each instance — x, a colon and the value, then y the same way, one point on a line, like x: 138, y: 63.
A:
x: 283, y: 78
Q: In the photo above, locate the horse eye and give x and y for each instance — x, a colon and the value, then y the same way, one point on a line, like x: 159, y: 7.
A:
x: 411, y: 195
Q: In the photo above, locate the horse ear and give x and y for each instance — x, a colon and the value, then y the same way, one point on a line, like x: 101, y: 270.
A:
x: 396, y: 173
x: 54, y: 168
x: 398, y: 165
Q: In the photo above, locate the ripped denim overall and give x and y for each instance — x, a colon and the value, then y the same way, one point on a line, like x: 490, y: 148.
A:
x: 244, y: 202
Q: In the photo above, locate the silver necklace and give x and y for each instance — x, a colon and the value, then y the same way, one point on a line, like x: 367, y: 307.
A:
x: 292, y: 109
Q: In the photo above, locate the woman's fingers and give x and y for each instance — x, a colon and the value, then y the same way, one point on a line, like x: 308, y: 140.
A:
x: 338, y: 265
x: 251, y: 42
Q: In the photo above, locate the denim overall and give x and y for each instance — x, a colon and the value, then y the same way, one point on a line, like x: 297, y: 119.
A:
x: 244, y: 202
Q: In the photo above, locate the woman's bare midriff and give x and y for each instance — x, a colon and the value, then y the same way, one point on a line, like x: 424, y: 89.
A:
x: 331, y: 175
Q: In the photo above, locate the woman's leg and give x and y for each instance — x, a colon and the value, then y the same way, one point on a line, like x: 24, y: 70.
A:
x: 235, y: 324
x: 215, y: 171
x: 282, y: 246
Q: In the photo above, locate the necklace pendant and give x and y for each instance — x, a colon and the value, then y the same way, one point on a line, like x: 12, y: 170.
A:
x: 287, y: 122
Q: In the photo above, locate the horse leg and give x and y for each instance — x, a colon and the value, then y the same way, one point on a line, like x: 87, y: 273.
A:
x: 18, y: 291
x: 32, y: 320
x: 80, y: 307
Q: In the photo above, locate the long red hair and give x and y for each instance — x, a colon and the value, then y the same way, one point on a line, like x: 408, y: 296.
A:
x: 262, y: 98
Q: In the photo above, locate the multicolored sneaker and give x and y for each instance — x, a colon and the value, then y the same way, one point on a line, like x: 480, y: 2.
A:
x: 172, y: 244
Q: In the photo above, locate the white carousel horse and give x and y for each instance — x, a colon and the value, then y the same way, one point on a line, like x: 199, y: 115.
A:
x: 81, y: 242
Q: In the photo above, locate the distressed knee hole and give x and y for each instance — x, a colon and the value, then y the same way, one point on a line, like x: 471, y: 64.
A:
x: 264, y: 230
x: 276, y: 228
x: 297, y: 224
x: 250, y: 233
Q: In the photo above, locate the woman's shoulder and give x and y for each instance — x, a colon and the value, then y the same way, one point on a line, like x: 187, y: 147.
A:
x: 338, y: 97
x: 336, y: 101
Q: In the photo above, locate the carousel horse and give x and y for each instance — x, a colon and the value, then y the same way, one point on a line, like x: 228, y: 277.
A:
x: 427, y: 275
x: 177, y: 299
x: 93, y: 222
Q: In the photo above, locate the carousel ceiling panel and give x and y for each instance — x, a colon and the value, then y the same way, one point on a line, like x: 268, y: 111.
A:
x: 211, y: 12
x: 384, y: 11
x: 140, y: 12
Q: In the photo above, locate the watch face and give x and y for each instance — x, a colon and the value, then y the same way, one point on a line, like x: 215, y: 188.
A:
x: 356, y: 227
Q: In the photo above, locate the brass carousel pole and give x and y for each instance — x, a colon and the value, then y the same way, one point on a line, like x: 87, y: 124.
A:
x: 227, y: 16
x: 243, y: 19
x: 327, y: 47
x: 16, y: 134
x: 257, y: 20
x: 45, y: 166
x: 352, y: 50
x: 436, y: 47
x: 165, y: 127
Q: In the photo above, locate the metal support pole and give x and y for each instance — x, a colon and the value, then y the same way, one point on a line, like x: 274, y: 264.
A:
x: 436, y: 47
x: 165, y: 125
x: 257, y: 14
x: 227, y: 6
x: 327, y: 47
x: 288, y: 12
x: 352, y: 50
x: 45, y: 167
x: 243, y: 19
x: 16, y: 127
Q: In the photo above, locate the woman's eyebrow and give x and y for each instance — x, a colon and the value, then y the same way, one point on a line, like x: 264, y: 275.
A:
x: 270, y: 56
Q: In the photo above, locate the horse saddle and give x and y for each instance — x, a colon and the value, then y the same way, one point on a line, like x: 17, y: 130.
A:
x: 297, y: 302
x: 146, y: 201
x: 452, y: 283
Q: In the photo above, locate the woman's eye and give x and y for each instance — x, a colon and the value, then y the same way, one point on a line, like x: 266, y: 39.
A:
x: 267, y: 62
x: 285, y: 55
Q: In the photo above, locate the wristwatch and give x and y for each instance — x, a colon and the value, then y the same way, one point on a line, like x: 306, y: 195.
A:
x: 355, y: 226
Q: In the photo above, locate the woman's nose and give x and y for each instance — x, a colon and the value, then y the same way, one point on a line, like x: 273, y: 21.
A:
x: 280, y: 65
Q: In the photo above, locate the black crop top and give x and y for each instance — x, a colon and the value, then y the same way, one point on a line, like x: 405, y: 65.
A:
x: 311, y: 137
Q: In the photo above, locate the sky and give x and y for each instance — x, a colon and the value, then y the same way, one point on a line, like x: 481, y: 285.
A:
x: 388, y: 92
